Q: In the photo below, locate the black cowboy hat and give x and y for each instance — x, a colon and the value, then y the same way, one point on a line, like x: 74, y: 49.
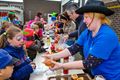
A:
x: 95, y: 6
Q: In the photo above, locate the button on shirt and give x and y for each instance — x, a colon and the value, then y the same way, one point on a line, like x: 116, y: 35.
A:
x: 104, y: 45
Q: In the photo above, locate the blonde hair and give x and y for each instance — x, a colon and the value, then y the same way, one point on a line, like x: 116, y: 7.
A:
x: 35, y: 26
x: 104, y: 19
x: 10, y: 33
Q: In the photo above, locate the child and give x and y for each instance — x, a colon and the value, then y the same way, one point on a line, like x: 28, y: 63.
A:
x: 4, y: 27
x: 12, y: 42
x: 6, y: 65
x: 38, y: 28
x: 31, y: 45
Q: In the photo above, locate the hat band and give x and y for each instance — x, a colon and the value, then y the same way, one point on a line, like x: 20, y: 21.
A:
x: 92, y: 19
x: 11, y: 12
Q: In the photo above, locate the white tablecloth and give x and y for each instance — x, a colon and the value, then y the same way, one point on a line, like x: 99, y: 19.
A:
x: 38, y: 60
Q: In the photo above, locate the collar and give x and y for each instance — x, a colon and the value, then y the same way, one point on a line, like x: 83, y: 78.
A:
x: 79, y: 18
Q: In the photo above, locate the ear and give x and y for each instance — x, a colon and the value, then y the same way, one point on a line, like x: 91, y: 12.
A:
x: 9, y: 40
x: 0, y: 72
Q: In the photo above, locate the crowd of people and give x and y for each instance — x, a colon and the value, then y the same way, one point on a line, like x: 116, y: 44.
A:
x: 19, y: 46
x: 86, y: 30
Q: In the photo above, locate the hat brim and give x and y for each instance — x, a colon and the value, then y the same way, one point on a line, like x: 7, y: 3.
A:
x: 97, y: 9
x: 8, y: 61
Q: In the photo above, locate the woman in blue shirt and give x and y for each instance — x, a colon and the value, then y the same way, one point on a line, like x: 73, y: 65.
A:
x: 98, y: 42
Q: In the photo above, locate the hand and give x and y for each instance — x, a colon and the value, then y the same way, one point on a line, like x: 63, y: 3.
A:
x: 65, y: 37
x: 48, y: 63
x: 41, y: 69
x: 47, y: 55
x: 33, y: 65
x: 56, y: 65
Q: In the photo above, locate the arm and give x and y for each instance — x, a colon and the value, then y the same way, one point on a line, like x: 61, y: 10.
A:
x: 72, y: 27
x: 34, y: 47
x: 69, y: 65
x: 65, y: 53
x: 73, y: 65
x: 73, y: 34
x: 62, y: 54
x: 22, y: 72
x: 88, y: 63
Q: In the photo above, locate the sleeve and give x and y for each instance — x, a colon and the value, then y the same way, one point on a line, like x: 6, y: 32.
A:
x: 40, y: 33
x: 72, y: 27
x: 23, y: 72
x: 81, y: 28
x: 34, y: 47
x: 78, y: 45
x: 82, y: 38
x: 73, y: 34
x: 75, y: 48
x: 103, y: 46
x: 92, y: 61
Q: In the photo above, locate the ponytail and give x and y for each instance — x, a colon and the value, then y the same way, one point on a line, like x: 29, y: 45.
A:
x: 3, y: 40
x: 9, y: 34
x: 106, y: 21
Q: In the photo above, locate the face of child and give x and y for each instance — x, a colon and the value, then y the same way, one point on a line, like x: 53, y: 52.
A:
x: 36, y: 30
x: 6, y: 72
x: 17, y: 40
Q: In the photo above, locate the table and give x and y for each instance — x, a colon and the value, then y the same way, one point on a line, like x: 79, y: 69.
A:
x: 38, y: 61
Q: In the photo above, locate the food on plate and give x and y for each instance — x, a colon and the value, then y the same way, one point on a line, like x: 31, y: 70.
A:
x: 74, y: 76
x: 80, y: 78
x: 48, y: 63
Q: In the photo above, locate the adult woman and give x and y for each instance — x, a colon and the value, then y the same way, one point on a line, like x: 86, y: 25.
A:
x: 12, y: 42
x: 68, y: 27
x: 99, y: 43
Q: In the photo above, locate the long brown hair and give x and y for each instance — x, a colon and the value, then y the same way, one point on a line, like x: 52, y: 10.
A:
x: 10, y: 33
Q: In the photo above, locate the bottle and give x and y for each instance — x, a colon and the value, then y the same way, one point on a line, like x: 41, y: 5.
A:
x: 52, y: 48
x: 65, y: 71
x: 48, y: 40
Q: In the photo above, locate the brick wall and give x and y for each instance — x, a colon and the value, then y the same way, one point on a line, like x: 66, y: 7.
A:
x: 116, y: 17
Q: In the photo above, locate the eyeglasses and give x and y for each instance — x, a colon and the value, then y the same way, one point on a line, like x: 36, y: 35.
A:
x: 18, y: 38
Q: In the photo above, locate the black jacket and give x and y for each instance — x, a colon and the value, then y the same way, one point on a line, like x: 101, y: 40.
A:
x: 80, y: 27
